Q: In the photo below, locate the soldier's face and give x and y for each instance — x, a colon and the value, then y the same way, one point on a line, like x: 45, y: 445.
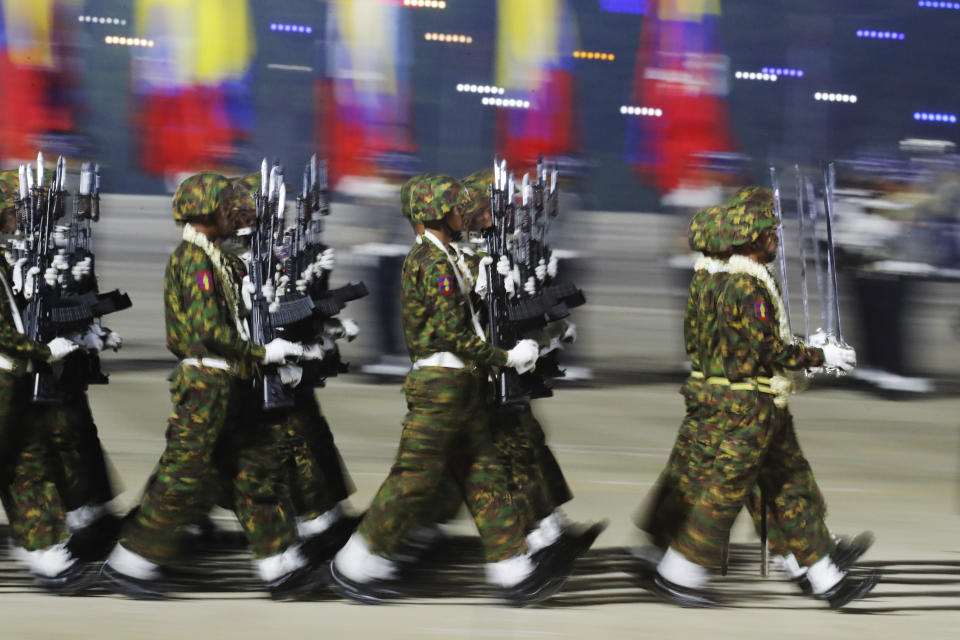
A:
x: 770, y: 243
x: 455, y: 219
x: 481, y: 220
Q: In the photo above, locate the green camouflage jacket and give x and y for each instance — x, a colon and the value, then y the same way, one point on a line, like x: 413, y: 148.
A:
x: 13, y: 344
x: 435, y: 313
x: 199, y: 322
x: 738, y: 331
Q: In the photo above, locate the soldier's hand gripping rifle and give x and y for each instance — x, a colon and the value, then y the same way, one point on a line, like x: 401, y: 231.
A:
x: 269, y: 201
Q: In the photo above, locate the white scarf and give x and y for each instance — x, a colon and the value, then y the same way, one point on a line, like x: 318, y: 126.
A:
x: 710, y: 265
x: 224, y: 272
x: 781, y: 385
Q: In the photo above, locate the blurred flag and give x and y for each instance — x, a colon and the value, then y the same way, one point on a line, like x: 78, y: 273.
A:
x: 363, y: 89
x: 39, y: 74
x: 682, y: 71
x: 193, y: 85
x: 535, y: 44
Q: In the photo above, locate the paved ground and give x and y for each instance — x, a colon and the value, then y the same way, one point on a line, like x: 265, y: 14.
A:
x: 891, y: 467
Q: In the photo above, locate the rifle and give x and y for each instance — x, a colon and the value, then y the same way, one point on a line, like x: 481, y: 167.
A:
x: 269, y: 202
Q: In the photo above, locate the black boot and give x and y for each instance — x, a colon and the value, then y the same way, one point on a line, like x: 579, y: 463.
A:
x: 683, y: 596
x: 845, y: 554
x: 370, y: 592
x: 95, y: 541
x: 850, y: 588
x: 321, y: 547
x: 135, y: 588
x: 76, y: 578
x: 552, y: 568
x: 300, y: 583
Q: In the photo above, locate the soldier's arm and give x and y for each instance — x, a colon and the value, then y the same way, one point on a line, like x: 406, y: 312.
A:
x: 749, y: 325
x: 690, y: 315
x: 13, y: 343
x: 208, y: 317
x: 445, y: 320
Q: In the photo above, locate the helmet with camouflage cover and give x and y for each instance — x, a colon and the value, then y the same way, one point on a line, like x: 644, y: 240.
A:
x: 477, y: 184
x: 250, y: 182
x: 199, y: 196
x: 702, y: 235
x: 9, y: 188
x: 434, y: 196
x: 406, y: 208
x: 747, y: 215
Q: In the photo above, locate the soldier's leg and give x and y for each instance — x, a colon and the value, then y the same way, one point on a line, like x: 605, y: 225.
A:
x: 185, y: 483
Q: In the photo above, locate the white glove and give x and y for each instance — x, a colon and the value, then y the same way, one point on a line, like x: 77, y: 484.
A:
x: 482, y: 287
x: 278, y: 350
x: 290, y: 374
x: 541, y: 270
x: 246, y: 292
x: 60, y: 348
x: 327, y: 260
x: 30, y: 282
x: 313, y: 352
x: 503, y: 266
x: 81, y: 270
x: 60, y: 261
x: 839, y: 357
x: 350, y: 329
x: 91, y: 340
x: 51, y: 277
x: 112, y: 340
x: 18, y: 275
x: 552, y: 266
x: 569, y: 334
x: 817, y: 339
x: 523, y: 356
x: 510, y: 287
x: 530, y: 286
x: 269, y: 292
x: 282, y: 285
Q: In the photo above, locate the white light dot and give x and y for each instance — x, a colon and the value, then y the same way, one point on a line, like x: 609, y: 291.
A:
x: 459, y: 87
x: 853, y: 98
x: 623, y: 110
x: 817, y: 95
x: 738, y: 74
x: 658, y: 112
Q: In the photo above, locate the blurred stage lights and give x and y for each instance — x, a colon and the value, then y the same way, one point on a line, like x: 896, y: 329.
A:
x: 593, y: 55
x: 129, y: 42
x: 511, y: 103
x: 933, y: 4
x: 948, y: 118
x: 479, y: 88
x: 629, y: 110
x: 750, y: 75
x: 448, y: 37
x: 879, y: 35
x: 425, y: 4
x: 290, y: 28
x: 101, y: 20
x: 783, y: 71
x: 834, y: 97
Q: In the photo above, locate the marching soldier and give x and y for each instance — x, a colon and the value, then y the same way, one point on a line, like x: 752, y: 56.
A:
x: 743, y: 347
x: 446, y: 427
x: 205, y: 332
x: 27, y: 487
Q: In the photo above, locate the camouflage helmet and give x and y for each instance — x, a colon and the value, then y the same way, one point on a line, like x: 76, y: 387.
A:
x: 434, y: 196
x: 702, y: 235
x: 477, y: 184
x: 241, y: 192
x: 406, y: 208
x: 747, y: 215
x: 251, y: 182
x: 9, y: 188
x: 199, y: 196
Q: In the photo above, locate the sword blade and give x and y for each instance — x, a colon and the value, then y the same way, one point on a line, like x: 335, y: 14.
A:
x: 829, y: 179
x: 801, y: 214
x: 785, y: 290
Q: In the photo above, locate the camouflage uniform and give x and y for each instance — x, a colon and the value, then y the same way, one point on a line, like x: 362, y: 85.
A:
x: 33, y: 505
x: 201, y: 301
x: 749, y: 440
x: 446, y: 420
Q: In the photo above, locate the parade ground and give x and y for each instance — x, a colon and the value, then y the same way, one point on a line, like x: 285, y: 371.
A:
x: 885, y: 464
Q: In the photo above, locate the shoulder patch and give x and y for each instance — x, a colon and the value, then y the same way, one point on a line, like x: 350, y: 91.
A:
x: 204, y: 280
x: 445, y: 283
x: 760, y: 309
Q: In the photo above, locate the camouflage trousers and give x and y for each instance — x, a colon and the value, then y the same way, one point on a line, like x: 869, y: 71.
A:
x: 80, y: 468
x: 27, y: 490
x: 446, y: 430
x: 753, y: 444
x: 534, y: 478
x: 686, y: 474
x: 207, y: 438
